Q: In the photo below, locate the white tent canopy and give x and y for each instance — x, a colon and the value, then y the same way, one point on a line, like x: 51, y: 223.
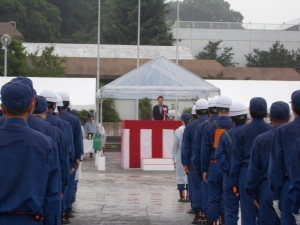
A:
x: 160, y: 76
x: 81, y: 90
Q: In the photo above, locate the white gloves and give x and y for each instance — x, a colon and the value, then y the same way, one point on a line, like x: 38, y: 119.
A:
x: 276, y: 207
x: 297, y: 218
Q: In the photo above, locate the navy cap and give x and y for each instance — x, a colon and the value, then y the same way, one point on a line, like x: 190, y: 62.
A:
x: 296, y: 99
x: 258, y: 104
x: 16, y: 95
x: 25, y: 80
x: 185, y: 116
x: 280, y: 110
x: 42, y: 106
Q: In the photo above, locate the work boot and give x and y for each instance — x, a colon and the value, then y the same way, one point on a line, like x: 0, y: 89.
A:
x: 191, y: 211
x: 69, y: 214
x: 64, y: 219
x: 181, y: 195
x: 205, y: 220
x: 197, y: 219
x: 221, y: 220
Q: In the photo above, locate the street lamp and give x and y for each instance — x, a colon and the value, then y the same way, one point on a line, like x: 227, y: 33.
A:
x: 5, y: 40
x: 138, y: 36
x: 177, y: 27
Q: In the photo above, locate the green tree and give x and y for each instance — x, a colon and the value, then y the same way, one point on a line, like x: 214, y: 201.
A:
x: 37, y: 20
x: 145, y: 109
x: 83, y: 115
x: 16, y: 60
x: 120, y: 23
x: 109, y: 112
x: 47, y: 64
x: 211, y: 52
x: 276, y: 57
x: 204, y: 10
x: 75, y: 15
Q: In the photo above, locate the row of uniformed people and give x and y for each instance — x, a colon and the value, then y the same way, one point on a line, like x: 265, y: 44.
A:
x: 231, y: 163
x: 40, y: 153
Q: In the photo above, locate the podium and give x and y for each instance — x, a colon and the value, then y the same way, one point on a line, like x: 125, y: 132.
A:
x: 146, y: 139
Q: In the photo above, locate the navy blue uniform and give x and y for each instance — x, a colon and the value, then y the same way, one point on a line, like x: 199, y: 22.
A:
x: 294, y: 191
x: 215, y: 175
x: 223, y: 157
x: 280, y: 160
x: 29, y: 173
x: 241, y: 147
x: 68, y: 136
x: 257, y: 183
x: 186, y: 150
x: 78, y: 146
x: 195, y: 180
x: 197, y: 158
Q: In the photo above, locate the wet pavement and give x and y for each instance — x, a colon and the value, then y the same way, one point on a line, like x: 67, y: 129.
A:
x: 117, y: 196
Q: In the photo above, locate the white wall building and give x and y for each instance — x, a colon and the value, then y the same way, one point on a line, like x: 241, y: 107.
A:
x: 242, y: 37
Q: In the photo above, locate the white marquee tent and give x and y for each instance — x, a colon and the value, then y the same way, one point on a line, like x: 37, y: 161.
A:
x: 160, y: 76
x: 81, y: 90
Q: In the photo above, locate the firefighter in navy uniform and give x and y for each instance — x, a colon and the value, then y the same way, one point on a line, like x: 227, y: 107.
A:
x: 212, y: 173
x: 257, y: 184
x: 187, y: 142
x: 238, y: 114
x: 241, y: 147
x: 280, y: 161
x: 31, y: 193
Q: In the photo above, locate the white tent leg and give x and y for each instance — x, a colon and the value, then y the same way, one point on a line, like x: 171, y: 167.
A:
x: 176, y: 108
x: 137, y: 109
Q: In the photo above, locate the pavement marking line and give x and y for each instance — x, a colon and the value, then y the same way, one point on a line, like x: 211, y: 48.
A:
x: 110, y: 219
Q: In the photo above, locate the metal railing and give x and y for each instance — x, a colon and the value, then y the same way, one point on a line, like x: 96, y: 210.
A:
x: 236, y: 25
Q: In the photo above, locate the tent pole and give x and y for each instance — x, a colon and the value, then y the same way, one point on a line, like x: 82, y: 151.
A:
x: 137, y: 109
x: 98, y: 63
x: 176, y: 108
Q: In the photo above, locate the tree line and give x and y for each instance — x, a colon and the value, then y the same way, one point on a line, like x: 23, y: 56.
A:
x: 276, y: 57
x: 75, y: 21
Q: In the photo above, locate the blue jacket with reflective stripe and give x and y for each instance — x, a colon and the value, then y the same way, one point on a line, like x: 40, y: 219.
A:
x: 207, y: 150
x: 224, y: 150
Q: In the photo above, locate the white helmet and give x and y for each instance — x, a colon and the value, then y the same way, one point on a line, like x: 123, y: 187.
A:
x: 213, y: 102
x: 224, y: 102
x: 238, y: 109
x: 59, y: 100
x: 194, y: 110
x: 201, y: 104
x: 49, y: 95
x: 64, y: 95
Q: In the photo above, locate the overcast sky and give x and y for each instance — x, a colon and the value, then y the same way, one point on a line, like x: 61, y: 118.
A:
x: 267, y: 11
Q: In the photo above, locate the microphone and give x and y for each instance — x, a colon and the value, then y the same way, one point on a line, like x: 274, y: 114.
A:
x: 169, y: 116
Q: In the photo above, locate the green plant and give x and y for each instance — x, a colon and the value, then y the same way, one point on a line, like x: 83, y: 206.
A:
x: 109, y: 112
x: 145, y: 109
x: 84, y: 115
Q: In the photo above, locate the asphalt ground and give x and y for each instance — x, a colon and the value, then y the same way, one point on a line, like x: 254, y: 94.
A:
x: 117, y: 196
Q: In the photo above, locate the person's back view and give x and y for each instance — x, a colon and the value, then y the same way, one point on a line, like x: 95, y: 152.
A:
x: 30, y: 190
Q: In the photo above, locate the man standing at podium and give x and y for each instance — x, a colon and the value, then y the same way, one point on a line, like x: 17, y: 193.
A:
x: 158, y: 109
